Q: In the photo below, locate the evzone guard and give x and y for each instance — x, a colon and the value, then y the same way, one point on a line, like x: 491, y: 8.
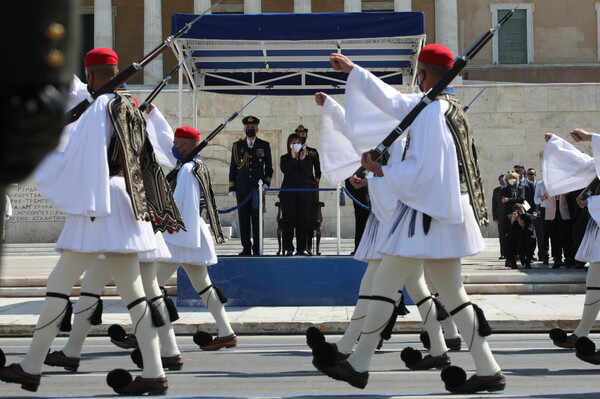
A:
x: 106, y: 215
x: 438, y: 161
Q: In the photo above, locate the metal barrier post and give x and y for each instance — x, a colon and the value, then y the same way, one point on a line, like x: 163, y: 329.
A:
x: 338, y: 218
x: 260, y: 217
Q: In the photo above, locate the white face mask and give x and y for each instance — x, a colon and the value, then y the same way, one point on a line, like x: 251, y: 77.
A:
x: 512, y: 181
x: 296, y: 147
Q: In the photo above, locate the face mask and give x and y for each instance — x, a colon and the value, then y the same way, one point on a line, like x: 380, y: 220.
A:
x: 176, y: 153
x: 512, y: 181
x: 501, y: 181
x: 296, y: 147
x: 302, y: 140
x: 250, y: 132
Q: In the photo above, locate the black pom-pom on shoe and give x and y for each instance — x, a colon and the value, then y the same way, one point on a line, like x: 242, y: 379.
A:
x: 324, y: 355
x: 118, y: 378
x: 314, y: 336
x: 453, y: 376
x: 202, y: 338
x: 585, y: 346
x: 558, y: 335
x: 410, y: 356
x: 116, y: 332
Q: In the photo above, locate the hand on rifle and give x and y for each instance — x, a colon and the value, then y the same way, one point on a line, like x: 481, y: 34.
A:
x: 358, y: 182
x: 320, y: 98
x: 581, y: 202
x: 548, y: 136
x: 340, y: 62
x: 150, y: 108
x: 581, y: 135
x: 369, y: 164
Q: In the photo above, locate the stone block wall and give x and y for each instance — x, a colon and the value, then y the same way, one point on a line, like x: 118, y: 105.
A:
x: 509, y: 122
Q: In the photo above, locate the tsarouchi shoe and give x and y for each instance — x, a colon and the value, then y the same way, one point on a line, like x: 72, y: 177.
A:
x: 414, y: 360
x: 15, y: 373
x: 59, y: 359
x: 455, y: 381
x: 559, y: 338
x: 343, y: 371
x: 220, y: 342
x: 586, y: 351
x: 140, y: 386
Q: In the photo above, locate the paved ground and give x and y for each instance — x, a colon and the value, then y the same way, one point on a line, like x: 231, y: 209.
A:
x: 528, y: 312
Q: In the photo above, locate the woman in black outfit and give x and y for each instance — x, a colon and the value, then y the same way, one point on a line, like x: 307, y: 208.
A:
x: 297, y: 173
x: 512, y: 193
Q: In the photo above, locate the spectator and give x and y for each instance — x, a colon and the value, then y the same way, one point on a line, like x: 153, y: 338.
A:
x: 580, y: 218
x: 250, y: 162
x: 528, y: 186
x: 535, y: 212
x: 512, y: 193
x: 498, y: 213
x: 520, y: 237
x: 543, y: 239
x: 558, y: 223
x: 359, y: 191
x: 296, y: 167
x: 315, y: 209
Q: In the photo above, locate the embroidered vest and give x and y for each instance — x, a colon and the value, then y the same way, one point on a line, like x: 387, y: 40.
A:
x: 147, y: 187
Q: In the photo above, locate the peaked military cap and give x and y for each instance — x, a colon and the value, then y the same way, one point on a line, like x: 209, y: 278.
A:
x: 301, y: 129
x: 251, y: 120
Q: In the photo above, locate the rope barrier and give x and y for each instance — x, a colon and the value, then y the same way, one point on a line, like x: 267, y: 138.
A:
x: 345, y: 191
x: 241, y: 204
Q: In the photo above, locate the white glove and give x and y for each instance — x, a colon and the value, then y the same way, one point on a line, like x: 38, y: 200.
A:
x: 232, y: 194
x: 265, y: 186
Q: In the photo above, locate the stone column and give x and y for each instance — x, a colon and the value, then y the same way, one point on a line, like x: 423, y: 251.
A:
x: 302, y: 6
x: 252, y: 7
x: 153, y: 72
x: 202, y: 5
x: 402, y: 5
x: 103, y: 24
x: 446, y: 24
x: 352, y: 6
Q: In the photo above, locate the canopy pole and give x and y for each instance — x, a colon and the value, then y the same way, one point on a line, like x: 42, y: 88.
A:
x: 180, y: 97
x: 338, y: 217
x: 194, y: 106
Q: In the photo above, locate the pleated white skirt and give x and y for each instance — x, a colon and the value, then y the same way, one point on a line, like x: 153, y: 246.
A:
x: 118, y: 232
x: 443, y: 241
x: 367, y: 247
x: 589, y: 249
x: 204, y: 255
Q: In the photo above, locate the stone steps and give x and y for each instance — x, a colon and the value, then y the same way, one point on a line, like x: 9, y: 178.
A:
x: 25, y: 268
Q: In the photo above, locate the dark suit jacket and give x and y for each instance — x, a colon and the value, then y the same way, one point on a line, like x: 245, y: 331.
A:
x: 497, y: 205
x: 249, y: 165
x: 314, y: 154
x: 529, y: 187
x: 514, y: 196
x: 296, y: 174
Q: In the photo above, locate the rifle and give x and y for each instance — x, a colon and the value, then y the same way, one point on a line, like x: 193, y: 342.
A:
x: 171, y: 175
x: 587, y: 192
x: 74, y: 113
x: 466, y: 107
x: 459, y: 64
x: 163, y: 83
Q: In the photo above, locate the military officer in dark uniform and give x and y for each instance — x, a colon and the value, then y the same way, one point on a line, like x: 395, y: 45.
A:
x: 315, y: 217
x: 250, y: 162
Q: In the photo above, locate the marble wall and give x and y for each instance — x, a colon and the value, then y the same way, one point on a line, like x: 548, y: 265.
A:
x: 508, y: 121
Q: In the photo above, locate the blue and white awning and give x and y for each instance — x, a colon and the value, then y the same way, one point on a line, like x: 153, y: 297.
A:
x: 289, y: 53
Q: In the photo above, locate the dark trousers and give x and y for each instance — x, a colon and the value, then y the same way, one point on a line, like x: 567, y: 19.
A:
x: 542, y: 241
x: 246, y: 214
x: 360, y: 214
x: 294, y: 215
x: 559, y: 231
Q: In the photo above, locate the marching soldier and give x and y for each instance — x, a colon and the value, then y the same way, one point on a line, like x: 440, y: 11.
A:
x: 250, y: 162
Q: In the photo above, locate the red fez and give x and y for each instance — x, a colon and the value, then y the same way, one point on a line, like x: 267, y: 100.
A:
x: 100, y: 56
x: 187, y: 132
x: 136, y: 102
x: 436, y: 54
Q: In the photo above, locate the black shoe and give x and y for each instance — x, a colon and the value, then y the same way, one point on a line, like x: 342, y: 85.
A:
x: 501, y: 257
x: 527, y: 265
x: 59, y: 359
x: 15, y: 373
x: 343, y: 371
x: 245, y: 253
x: 140, y: 386
x: 556, y: 265
x: 452, y: 379
x: 545, y: 262
x: 413, y: 360
x: 560, y: 338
